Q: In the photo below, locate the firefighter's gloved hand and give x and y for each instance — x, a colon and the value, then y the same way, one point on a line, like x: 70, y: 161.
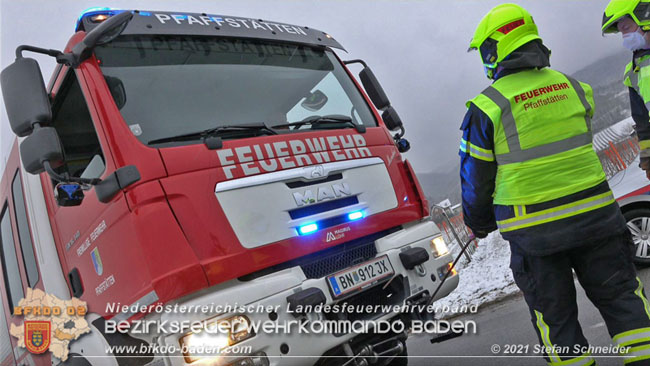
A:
x: 480, y: 233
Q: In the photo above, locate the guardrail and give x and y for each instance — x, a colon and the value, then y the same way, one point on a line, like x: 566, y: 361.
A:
x: 619, y: 155
x: 453, y: 229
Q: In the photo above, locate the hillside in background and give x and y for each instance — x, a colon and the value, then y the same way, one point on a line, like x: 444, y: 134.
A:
x: 439, y: 186
x: 611, y: 96
x: 612, y: 106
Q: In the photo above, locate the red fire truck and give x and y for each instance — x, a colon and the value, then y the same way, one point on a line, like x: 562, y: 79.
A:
x: 193, y: 159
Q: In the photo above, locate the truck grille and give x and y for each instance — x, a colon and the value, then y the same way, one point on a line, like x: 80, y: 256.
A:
x: 340, y: 259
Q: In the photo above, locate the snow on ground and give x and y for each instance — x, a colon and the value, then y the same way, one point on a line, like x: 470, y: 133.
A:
x: 487, y: 278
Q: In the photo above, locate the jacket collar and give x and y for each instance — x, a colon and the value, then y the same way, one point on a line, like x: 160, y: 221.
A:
x: 532, y: 55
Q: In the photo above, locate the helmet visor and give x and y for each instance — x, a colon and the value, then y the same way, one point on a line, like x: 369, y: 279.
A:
x: 640, y: 15
x: 489, y: 53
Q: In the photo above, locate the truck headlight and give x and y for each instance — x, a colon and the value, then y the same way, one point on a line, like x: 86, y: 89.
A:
x: 438, y: 247
x: 215, y: 337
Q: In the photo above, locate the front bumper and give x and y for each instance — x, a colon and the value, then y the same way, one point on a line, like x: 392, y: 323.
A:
x: 273, y: 290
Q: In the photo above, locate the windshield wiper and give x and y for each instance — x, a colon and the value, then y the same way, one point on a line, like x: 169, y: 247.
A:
x: 325, y: 120
x: 215, y: 131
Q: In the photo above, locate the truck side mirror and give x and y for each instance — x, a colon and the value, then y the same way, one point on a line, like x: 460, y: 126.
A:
x: 392, y: 119
x: 25, y: 97
x: 393, y: 122
x: 43, y: 145
x: 373, y: 88
x: 380, y: 100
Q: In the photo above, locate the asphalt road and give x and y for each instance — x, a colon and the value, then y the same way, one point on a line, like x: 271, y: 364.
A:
x: 508, y: 323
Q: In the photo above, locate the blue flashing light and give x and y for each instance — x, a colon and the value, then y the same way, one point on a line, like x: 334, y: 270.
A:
x: 356, y: 215
x: 307, y: 229
x: 145, y: 13
x: 70, y: 188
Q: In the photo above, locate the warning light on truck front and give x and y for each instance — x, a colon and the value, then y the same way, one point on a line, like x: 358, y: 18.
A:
x: 356, y: 215
x: 307, y: 229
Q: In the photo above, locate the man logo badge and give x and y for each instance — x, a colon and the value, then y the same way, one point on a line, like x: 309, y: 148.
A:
x: 323, y: 193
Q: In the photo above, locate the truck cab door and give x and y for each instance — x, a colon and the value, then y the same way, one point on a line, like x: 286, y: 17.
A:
x: 85, y: 157
x: 93, y: 238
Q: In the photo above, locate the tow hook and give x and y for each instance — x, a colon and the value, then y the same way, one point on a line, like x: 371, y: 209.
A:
x: 371, y: 353
x: 420, y: 270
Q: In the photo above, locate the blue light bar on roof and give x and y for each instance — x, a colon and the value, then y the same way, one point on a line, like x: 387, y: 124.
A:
x: 96, y: 11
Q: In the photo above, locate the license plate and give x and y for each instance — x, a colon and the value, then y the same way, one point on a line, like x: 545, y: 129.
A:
x: 361, y: 276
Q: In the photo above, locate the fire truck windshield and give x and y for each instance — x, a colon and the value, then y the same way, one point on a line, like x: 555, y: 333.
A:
x: 167, y: 86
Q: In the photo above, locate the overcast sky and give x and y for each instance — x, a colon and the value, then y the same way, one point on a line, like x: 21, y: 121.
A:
x: 417, y: 49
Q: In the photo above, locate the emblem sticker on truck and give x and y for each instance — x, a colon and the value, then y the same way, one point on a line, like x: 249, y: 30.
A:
x: 360, y: 277
x: 97, y: 261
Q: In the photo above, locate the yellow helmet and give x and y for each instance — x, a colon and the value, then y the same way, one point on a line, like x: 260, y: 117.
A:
x: 501, y: 31
x: 638, y: 10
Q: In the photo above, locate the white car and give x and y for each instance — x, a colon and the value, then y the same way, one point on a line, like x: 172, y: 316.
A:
x: 631, y: 188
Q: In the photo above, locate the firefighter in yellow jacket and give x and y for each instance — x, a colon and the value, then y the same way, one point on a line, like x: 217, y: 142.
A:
x: 529, y: 169
x: 632, y: 19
